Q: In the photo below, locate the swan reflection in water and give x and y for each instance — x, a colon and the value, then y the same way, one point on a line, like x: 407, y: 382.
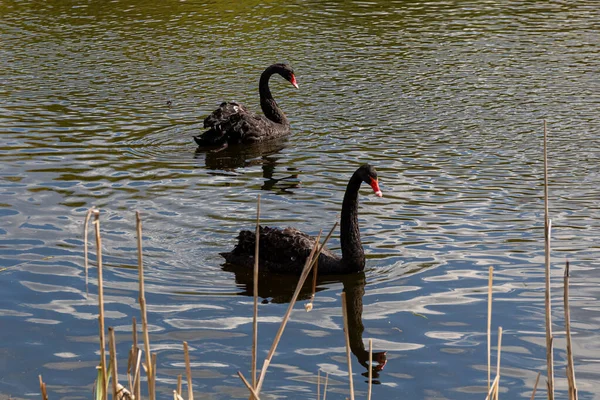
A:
x: 280, y: 289
x: 264, y: 154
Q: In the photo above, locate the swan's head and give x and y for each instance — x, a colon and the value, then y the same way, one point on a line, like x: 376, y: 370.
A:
x: 287, y: 72
x: 368, y: 174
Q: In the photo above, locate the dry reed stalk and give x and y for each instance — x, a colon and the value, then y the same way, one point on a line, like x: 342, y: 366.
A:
x: 370, y: 369
x: 130, y: 357
x: 489, y: 326
x: 101, y: 304
x: 309, y: 306
x: 85, y: 246
x: 310, y: 261
x: 154, y: 372
x: 318, y: 384
x: 250, y: 388
x: 133, y: 370
x: 347, y: 338
x: 112, y: 349
x: 570, y: 364
x: 537, y: 379
x: 255, y: 281
x: 142, y: 301
x: 179, y: 382
x: 136, y: 387
x: 493, y: 389
x: 43, y: 389
x: 188, y: 370
x: 325, y: 388
x: 547, y: 231
x: 134, y: 339
x: 498, y: 365
x: 177, y: 396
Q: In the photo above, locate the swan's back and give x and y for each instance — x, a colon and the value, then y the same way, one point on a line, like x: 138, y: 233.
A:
x: 233, y: 123
x: 282, y: 251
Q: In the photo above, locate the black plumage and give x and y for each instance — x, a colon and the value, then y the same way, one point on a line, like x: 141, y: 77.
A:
x: 233, y: 123
x: 286, y: 250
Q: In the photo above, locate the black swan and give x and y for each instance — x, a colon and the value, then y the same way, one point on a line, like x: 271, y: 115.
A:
x: 232, y: 123
x: 285, y: 251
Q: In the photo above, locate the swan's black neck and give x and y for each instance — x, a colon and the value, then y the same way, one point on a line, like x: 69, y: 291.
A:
x: 353, y: 255
x: 267, y: 102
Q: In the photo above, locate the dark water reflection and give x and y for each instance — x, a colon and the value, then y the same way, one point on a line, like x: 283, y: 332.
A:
x: 445, y: 99
x: 281, y: 288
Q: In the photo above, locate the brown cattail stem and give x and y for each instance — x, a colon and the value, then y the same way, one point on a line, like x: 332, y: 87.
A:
x: 255, y: 281
x: 310, y: 262
x: 188, y: 370
x: 113, y: 360
x: 570, y: 364
x: 101, y: 305
x: 547, y: 232
x: 489, y: 326
x: 348, y: 352
x: 142, y: 301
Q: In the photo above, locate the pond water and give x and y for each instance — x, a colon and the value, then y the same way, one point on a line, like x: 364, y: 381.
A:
x: 98, y: 105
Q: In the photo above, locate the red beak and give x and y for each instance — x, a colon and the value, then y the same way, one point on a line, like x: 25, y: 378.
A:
x: 293, y: 81
x: 375, y: 186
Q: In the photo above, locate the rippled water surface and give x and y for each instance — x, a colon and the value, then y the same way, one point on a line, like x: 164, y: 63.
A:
x: 98, y: 104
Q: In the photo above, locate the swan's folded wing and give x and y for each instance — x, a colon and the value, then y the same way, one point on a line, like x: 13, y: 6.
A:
x: 233, y: 123
x: 221, y: 115
x: 279, y: 250
x: 276, y: 245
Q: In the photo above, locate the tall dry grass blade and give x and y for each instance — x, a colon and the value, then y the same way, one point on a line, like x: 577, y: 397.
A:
x: 489, y: 326
x: 570, y: 364
x: 255, y: 281
x: 179, y: 383
x: 137, y: 358
x: 112, y: 348
x: 177, y: 396
x: 88, y: 215
x: 134, y: 338
x: 498, y: 365
x: 253, y: 392
x: 286, y: 317
x: 154, y: 372
x: 493, y: 389
x: 370, y: 369
x: 547, y: 231
x: 101, y: 305
x: 188, y: 371
x: 310, y: 261
x: 309, y: 306
x: 537, y: 379
x: 135, y: 367
x: 130, y: 361
x: 43, y: 389
x: 347, y: 338
x: 142, y: 301
x: 318, y: 384
x: 325, y: 388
